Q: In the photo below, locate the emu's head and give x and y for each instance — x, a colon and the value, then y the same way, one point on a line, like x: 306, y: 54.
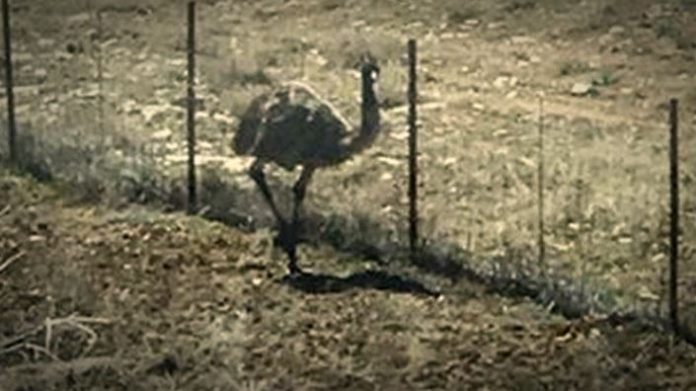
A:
x: 369, y: 69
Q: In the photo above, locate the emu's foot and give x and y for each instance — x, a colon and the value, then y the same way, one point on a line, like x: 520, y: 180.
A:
x: 293, y: 268
x: 286, y: 239
x: 295, y: 273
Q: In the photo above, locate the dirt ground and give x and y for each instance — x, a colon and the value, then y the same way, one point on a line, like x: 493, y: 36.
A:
x: 131, y: 298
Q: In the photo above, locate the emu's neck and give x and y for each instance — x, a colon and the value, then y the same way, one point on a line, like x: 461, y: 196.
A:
x: 370, y: 120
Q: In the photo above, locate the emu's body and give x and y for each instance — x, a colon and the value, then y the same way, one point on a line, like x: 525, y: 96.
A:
x: 292, y: 126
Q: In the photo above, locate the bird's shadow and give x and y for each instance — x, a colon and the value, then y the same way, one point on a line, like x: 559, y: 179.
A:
x: 318, y: 283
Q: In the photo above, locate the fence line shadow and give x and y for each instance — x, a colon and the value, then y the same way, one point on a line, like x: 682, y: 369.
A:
x: 440, y: 259
x: 319, y: 283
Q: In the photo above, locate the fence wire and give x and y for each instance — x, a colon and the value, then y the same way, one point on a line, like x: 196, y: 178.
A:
x: 103, y: 108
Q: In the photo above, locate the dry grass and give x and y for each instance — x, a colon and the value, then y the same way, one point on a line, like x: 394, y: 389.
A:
x: 606, y: 168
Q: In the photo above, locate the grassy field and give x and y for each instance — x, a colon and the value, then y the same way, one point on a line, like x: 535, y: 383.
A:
x: 483, y: 71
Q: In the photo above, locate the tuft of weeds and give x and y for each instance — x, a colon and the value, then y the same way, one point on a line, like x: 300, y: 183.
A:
x: 670, y: 28
x: 30, y: 158
x: 330, y: 5
x: 575, y: 67
x: 667, y: 27
x: 605, y: 78
x: 92, y: 167
x: 520, y: 5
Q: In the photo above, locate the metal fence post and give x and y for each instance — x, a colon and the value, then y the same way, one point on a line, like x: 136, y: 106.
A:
x: 191, y: 112
x: 9, y: 84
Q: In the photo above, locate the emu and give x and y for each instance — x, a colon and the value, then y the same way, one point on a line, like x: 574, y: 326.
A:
x: 292, y: 126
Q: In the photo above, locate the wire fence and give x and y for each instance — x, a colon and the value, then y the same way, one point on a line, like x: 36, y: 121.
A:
x: 561, y: 207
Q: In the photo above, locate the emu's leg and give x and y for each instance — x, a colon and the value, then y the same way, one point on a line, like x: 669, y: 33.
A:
x: 256, y: 173
x: 286, y: 236
x: 289, y: 237
x: 289, y: 244
x: 300, y: 190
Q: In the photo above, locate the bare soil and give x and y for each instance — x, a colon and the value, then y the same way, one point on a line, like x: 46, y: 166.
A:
x: 134, y: 299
